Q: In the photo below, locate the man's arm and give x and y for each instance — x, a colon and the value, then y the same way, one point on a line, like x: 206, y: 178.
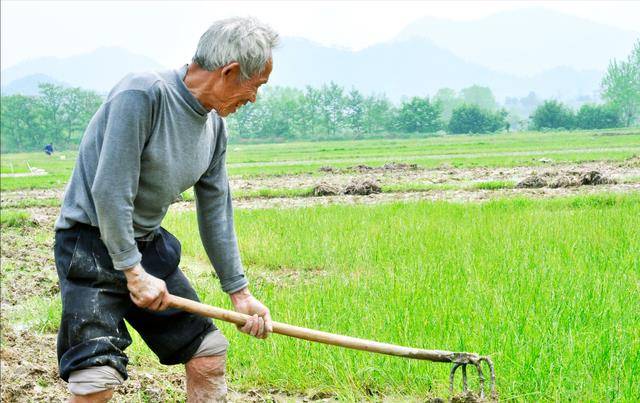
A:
x: 127, y: 124
x: 215, y: 222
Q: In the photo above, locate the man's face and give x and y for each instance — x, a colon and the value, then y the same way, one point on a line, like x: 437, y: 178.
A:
x: 234, y: 92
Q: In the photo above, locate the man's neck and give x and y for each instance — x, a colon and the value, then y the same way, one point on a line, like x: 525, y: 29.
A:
x: 200, y: 83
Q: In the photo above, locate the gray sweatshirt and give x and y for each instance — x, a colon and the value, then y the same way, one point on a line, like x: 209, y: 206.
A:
x: 150, y: 141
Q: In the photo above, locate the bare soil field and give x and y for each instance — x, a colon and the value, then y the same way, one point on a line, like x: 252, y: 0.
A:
x: 626, y: 172
x: 402, y: 174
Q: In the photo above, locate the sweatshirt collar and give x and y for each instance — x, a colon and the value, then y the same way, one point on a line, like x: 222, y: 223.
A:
x: 186, y: 94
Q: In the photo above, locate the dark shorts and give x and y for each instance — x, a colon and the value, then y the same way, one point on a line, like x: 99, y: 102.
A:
x: 96, y: 303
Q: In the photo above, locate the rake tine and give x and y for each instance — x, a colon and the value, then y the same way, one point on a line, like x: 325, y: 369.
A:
x: 465, y: 389
x: 492, y: 376
x: 452, y: 375
x: 480, y: 378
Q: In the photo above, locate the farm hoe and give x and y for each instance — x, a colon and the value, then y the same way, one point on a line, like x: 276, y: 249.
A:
x: 459, y: 360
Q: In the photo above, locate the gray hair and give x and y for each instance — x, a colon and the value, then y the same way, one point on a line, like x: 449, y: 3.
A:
x: 243, y: 40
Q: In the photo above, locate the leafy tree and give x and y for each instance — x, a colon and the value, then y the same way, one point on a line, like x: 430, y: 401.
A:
x: 473, y: 119
x: 448, y: 100
x: 552, y: 115
x: 479, y: 96
x: 621, y: 86
x: 355, y: 106
x: 378, y: 114
x: 419, y: 115
x: 331, y: 108
x: 52, y: 101
x: 20, y: 124
x: 597, y: 117
x: 58, y: 115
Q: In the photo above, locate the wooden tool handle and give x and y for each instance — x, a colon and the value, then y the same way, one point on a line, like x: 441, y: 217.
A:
x: 314, y: 335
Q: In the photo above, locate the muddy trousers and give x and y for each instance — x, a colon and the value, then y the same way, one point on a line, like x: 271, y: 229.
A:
x: 96, y: 303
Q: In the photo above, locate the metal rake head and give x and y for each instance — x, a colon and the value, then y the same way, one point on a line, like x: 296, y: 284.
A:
x: 461, y: 360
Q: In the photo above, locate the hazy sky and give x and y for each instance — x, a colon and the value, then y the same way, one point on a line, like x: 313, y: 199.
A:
x: 168, y: 31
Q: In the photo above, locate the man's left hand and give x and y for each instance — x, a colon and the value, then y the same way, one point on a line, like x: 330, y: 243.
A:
x: 259, y: 324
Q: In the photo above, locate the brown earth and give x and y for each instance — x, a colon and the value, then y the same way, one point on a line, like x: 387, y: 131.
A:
x: 457, y: 196
x: 621, y: 172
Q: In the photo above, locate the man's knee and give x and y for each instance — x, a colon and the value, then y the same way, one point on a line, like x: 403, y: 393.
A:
x: 94, y: 380
x: 207, y: 368
x: 213, y: 344
x: 210, y: 358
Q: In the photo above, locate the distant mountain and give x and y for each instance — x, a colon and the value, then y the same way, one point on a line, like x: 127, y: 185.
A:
x: 415, y: 67
x: 527, y: 41
x: 409, y: 67
x: 98, y: 70
x: 29, y: 85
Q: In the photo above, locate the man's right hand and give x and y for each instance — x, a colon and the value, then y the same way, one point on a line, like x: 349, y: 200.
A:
x: 146, y: 290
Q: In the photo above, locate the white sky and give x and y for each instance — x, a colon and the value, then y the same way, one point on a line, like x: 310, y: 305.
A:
x: 168, y: 31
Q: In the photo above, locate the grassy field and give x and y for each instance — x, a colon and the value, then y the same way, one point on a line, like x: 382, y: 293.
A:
x: 510, y: 149
x: 547, y: 287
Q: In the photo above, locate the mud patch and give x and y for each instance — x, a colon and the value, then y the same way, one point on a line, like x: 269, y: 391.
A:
x: 325, y: 189
x: 363, y: 187
x: 571, y: 179
x: 28, y: 268
x: 360, y: 168
x: 632, y: 162
x: 532, y: 182
x: 399, y: 166
x: 328, y: 169
x: 593, y: 178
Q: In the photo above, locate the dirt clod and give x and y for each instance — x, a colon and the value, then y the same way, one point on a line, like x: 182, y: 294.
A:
x: 564, y: 181
x: 325, y: 189
x: 363, y: 187
x: 399, y: 166
x: 328, y: 169
x: 533, y: 181
x: 360, y: 168
x: 595, y: 178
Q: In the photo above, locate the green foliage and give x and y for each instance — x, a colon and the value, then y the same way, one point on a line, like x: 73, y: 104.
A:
x: 419, y: 115
x: 552, y: 115
x: 554, y: 286
x: 15, y: 218
x: 326, y: 112
x: 479, y: 96
x: 473, y: 119
x: 621, y: 86
x: 58, y: 115
x: 494, y: 185
x: 448, y: 100
x: 592, y: 116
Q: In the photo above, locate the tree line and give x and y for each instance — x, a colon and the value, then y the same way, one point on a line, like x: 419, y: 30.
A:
x: 59, y: 115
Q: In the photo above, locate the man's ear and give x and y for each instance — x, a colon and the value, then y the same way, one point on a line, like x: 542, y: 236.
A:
x: 231, y: 71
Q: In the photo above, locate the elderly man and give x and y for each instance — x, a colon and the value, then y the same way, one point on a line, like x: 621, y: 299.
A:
x: 156, y: 135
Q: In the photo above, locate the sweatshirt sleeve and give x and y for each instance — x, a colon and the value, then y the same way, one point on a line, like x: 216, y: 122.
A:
x: 127, y: 123
x: 215, y: 221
